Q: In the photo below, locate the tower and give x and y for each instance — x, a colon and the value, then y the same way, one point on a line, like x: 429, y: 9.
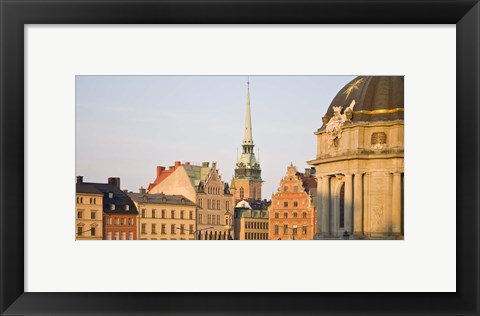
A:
x: 247, y: 180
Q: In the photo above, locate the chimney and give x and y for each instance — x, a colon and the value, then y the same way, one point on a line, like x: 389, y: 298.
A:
x: 160, y: 170
x: 79, y: 179
x: 178, y: 163
x: 307, y: 172
x: 187, y: 163
x: 114, y: 181
x: 142, y: 190
x: 205, y: 164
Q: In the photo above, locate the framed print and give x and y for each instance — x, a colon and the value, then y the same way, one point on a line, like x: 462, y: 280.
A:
x: 85, y: 63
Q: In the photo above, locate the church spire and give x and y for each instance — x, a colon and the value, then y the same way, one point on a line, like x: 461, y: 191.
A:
x: 247, y: 136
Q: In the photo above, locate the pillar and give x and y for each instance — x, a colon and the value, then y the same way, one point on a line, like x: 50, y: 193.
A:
x: 319, y: 205
x: 397, y: 203
x: 348, y: 203
x: 325, y: 221
x: 358, y: 204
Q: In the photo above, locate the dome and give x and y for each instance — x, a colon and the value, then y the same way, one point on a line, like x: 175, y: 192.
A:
x: 377, y: 98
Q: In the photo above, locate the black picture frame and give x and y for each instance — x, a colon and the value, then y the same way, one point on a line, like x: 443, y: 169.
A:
x: 14, y: 14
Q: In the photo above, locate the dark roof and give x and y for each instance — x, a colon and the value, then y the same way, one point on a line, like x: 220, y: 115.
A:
x: 120, y: 199
x: 377, y: 98
x: 160, y: 199
x: 248, y: 213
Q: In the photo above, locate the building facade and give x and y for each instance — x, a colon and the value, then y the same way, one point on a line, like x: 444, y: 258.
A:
x: 292, y: 213
x: 247, y: 182
x: 88, y: 212
x: 202, y: 184
x: 164, y: 217
x: 250, y: 224
x: 360, y: 161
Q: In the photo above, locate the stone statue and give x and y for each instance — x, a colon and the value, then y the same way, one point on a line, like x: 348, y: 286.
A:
x: 334, y: 125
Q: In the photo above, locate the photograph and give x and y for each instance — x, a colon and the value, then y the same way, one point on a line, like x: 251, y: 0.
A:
x: 155, y: 157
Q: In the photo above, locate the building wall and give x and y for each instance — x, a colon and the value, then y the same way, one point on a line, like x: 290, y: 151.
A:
x: 251, y: 228
x: 86, y: 205
x: 120, y: 226
x: 370, y: 169
x: 292, y: 214
x: 252, y: 189
x: 215, y: 210
x: 176, y: 183
x: 165, y: 221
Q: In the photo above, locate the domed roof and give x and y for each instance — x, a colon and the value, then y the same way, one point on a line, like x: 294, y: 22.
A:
x: 377, y: 98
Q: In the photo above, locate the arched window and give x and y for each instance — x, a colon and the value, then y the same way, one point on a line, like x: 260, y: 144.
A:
x: 342, y: 206
x: 242, y: 193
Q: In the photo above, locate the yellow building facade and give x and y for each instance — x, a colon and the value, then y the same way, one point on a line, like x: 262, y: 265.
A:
x: 88, y: 213
x: 250, y: 224
x: 164, y: 217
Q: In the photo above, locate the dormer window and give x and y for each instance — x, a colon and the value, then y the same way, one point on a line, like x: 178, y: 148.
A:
x: 112, y: 207
x: 110, y: 195
x: 127, y: 207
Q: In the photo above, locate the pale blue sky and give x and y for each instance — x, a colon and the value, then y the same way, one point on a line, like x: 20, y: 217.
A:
x: 127, y: 125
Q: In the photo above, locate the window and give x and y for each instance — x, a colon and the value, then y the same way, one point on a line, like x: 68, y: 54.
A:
x: 172, y: 229
x: 154, y: 213
x: 79, y: 215
x: 182, y: 229
x: 218, y: 204
x: 109, y: 236
x: 122, y: 221
x: 127, y: 207
x: 164, y: 229
x: 285, y: 229
x: 190, y: 229
x: 163, y: 213
x: 110, y: 195
x: 285, y: 215
x: 92, y: 231
x: 295, y: 204
x: 226, y: 220
x: 285, y: 204
x: 143, y: 213
x: 122, y: 236
x: 112, y: 207
x: 115, y: 221
x: 200, y: 203
x: 181, y: 214
x: 294, y: 231
x: 78, y: 200
x: 190, y: 215
x: 79, y: 231
x: 130, y: 221
x: 275, y: 231
x: 304, y: 230
x: 200, y: 218
x: 242, y: 193
x: 295, y: 188
x: 91, y: 200
x: 285, y: 189
x: 304, y: 214
x: 115, y: 236
x: 94, y: 200
x: 172, y: 214
x: 379, y: 138
x: 154, y: 228
x: 144, y: 228
x: 342, y: 207
x: 276, y: 215
x: 295, y: 215
x: 130, y: 235
x: 92, y: 215
x: 218, y: 219
x: 109, y: 220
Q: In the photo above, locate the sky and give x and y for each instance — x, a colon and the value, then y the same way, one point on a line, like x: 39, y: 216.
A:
x: 128, y: 125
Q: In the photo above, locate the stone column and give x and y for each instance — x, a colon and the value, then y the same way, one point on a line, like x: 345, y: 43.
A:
x: 319, y: 205
x: 348, y: 203
x: 325, y: 221
x: 397, y: 204
x: 358, y: 205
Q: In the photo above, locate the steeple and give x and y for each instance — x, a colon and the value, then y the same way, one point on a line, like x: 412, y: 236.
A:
x: 247, y: 180
x: 247, y: 136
